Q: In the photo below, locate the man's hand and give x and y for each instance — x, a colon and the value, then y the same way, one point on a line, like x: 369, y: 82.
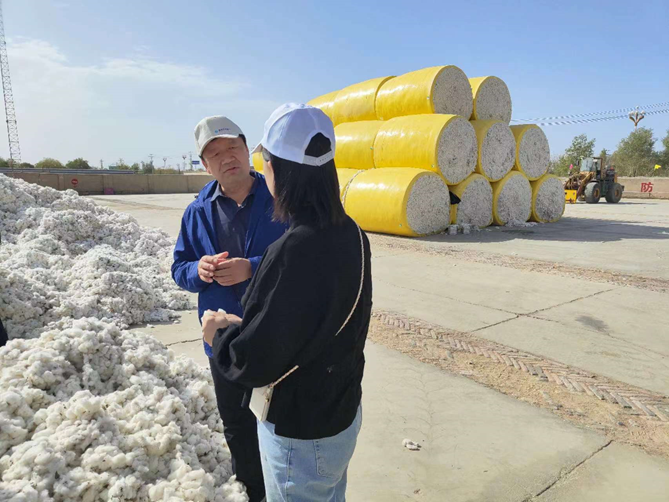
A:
x: 213, y: 322
x: 207, y: 266
x: 233, y: 271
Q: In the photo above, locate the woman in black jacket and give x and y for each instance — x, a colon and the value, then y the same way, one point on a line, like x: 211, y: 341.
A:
x: 306, y: 316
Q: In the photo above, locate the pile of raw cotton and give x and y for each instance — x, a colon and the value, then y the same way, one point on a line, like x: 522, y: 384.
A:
x: 90, y: 412
x: 64, y: 257
x: 437, y: 120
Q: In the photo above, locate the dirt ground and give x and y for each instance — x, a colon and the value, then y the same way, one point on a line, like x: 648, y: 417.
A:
x: 617, y: 423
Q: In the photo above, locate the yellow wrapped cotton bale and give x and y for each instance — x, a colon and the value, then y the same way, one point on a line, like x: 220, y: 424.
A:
x: 401, y: 201
x: 257, y: 160
x: 326, y: 102
x: 345, y: 176
x: 439, y: 89
x: 445, y: 144
x: 496, y: 148
x: 492, y: 100
x: 355, y: 144
x: 547, y: 199
x: 511, y: 199
x: 532, y: 150
x: 475, y: 207
x: 358, y: 102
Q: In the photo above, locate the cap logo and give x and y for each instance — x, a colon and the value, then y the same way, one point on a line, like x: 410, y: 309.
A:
x: 223, y: 129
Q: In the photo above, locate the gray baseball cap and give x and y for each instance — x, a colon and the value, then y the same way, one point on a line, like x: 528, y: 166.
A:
x: 210, y: 128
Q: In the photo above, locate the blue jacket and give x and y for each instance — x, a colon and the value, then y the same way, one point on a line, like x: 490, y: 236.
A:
x: 197, y: 238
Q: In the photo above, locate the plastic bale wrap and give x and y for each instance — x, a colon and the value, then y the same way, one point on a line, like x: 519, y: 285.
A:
x: 401, y: 201
x: 257, y: 161
x: 496, y: 148
x: 355, y: 144
x: 345, y: 176
x: 492, y: 100
x: 358, y: 102
x: 475, y: 207
x: 511, y: 199
x: 326, y: 102
x: 547, y: 199
x: 445, y: 144
x: 439, y: 89
x: 532, y: 150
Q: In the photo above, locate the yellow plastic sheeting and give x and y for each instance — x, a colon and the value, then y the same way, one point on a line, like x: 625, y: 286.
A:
x: 326, y: 102
x: 355, y: 144
x: 411, y: 141
x: 459, y: 190
x: 345, y: 176
x: 409, y: 94
x: 358, y: 102
x: 257, y: 160
x: 497, y: 190
x: 518, y: 133
x: 377, y: 199
x: 535, y: 191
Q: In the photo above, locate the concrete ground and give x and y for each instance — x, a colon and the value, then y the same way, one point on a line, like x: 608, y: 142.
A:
x: 479, y: 445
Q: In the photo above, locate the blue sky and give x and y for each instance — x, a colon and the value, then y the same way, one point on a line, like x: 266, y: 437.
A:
x: 129, y: 78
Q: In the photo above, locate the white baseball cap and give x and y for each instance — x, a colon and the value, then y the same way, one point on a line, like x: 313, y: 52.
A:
x: 289, y: 130
x: 210, y: 128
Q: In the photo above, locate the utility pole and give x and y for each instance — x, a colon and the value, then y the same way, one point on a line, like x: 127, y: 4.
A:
x: 164, y: 162
x: 190, y: 161
x: 637, y: 116
x: 10, y: 110
x: 102, y: 164
x: 184, y: 157
x: 151, y: 159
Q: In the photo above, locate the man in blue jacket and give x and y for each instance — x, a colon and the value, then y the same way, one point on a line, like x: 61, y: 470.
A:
x: 224, y: 234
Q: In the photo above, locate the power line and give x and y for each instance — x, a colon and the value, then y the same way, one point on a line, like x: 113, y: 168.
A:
x: 10, y: 110
x: 581, y: 118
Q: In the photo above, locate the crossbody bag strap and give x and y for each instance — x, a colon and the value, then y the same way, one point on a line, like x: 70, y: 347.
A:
x: 355, y: 305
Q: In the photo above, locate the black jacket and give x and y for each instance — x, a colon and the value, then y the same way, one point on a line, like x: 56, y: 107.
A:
x: 299, y: 297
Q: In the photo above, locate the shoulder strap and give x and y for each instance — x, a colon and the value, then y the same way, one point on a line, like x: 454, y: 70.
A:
x: 355, y: 305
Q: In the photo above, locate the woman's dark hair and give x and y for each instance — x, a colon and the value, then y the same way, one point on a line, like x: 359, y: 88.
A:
x: 304, y: 192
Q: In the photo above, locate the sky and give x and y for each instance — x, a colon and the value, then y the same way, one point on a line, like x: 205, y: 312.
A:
x: 127, y: 79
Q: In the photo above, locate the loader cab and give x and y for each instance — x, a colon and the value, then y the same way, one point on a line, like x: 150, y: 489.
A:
x: 591, y: 165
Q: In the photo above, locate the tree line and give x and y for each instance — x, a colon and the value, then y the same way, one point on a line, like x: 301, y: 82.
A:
x: 80, y: 163
x: 634, y: 156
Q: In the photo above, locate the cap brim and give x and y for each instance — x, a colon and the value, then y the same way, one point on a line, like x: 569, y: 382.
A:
x: 257, y: 149
x: 228, y: 136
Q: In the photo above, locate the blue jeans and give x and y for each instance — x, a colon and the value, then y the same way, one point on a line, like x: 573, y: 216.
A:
x: 299, y: 470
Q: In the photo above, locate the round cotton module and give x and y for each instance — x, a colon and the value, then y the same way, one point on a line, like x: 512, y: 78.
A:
x: 257, y: 161
x: 326, y: 102
x: 358, y: 102
x: 439, y: 89
x: 399, y: 201
x: 345, y: 176
x: 445, y: 144
x: 512, y: 199
x: 496, y: 148
x: 475, y: 207
x: 532, y: 151
x: 547, y: 199
x: 355, y: 144
x: 492, y: 100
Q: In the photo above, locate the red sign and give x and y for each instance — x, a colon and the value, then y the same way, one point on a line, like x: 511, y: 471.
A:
x: 74, y: 182
x: 646, y: 187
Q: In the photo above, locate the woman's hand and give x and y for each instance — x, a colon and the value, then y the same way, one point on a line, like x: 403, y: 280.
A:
x: 213, y: 322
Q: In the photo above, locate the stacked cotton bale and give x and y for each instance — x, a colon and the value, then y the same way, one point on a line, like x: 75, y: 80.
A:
x: 475, y: 207
x: 492, y: 100
x: 257, y: 161
x: 355, y: 144
x: 326, y: 102
x: 445, y: 144
x: 400, y: 201
x: 511, y: 199
x: 532, y: 150
x: 440, y: 89
x: 547, y: 199
x: 358, y: 102
x: 496, y: 148
x: 345, y: 176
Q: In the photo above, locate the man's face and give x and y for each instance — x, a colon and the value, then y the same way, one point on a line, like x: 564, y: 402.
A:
x: 227, y: 160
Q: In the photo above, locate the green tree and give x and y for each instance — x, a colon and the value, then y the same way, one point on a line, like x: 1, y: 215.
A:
x: 147, y: 168
x: 49, y: 163
x: 26, y: 165
x: 135, y: 167
x: 635, y: 155
x: 580, y: 147
x: 4, y: 162
x: 663, y: 157
x: 604, y: 154
x: 78, y: 163
x: 122, y: 165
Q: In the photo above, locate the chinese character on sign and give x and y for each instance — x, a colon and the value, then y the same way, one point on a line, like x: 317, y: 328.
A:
x: 646, y: 187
